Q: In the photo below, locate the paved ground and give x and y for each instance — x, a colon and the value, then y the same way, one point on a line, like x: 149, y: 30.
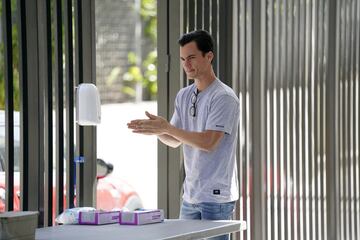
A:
x: 134, y: 156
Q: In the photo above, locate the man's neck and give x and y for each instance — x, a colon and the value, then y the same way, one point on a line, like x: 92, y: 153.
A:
x: 205, y: 81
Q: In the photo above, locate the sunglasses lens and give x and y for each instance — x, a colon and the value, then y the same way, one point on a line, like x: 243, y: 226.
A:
x: 192, y: 111
x: 193, y: 99
x: 193, y: 107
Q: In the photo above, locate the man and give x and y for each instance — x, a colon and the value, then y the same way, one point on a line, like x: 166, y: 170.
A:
x: 205, y: 121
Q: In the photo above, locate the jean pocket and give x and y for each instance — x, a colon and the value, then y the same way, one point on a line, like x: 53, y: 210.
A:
x: 227, y: 210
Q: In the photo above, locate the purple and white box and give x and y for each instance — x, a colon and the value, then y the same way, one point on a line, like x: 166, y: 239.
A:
x: 98, y: 217
x: 141, y: 217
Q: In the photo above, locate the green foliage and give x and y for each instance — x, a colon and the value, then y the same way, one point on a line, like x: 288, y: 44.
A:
x: 15, y: 65
x: 146, y: 72
x: 115, y: 72
x: 146, y: 75
x: 148, y: 15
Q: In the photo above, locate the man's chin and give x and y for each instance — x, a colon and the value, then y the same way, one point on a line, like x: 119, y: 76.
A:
x: 190, y: 75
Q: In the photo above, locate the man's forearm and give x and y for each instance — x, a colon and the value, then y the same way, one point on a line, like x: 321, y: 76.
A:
x: 169, y: 140
x: 206, y: 141
x: 174, y: 137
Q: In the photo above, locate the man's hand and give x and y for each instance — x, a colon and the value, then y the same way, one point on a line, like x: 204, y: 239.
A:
x: 155, y: 125
x: 207, y: 140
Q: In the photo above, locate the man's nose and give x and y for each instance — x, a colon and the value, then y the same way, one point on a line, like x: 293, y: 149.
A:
x: 187, y: 63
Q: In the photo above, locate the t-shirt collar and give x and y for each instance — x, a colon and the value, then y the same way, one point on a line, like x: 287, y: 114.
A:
x: 207, y: 88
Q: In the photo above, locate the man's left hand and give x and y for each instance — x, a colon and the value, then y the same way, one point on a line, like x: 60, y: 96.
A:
x: 155, y: 125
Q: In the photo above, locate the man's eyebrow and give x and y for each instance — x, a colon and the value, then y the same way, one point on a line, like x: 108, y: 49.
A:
x: 191, y: 55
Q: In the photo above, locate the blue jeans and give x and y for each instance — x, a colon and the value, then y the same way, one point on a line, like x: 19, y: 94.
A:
x: 208, y: 211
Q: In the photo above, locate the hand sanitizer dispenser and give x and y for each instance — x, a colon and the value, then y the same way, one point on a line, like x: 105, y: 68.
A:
x: 88, y: 108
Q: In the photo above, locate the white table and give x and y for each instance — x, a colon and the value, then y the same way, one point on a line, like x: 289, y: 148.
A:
x: 169, y: 229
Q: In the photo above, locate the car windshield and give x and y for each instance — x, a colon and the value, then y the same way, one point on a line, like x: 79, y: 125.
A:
x: 2, y: 158
x: 100, y: 168
x: 16, y: 141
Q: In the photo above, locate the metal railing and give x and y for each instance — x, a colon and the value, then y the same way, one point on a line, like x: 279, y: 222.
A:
x: 48, y: 63
x: 295, y: 65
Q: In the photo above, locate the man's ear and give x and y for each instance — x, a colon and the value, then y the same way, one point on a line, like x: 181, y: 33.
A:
x: 210, y: 56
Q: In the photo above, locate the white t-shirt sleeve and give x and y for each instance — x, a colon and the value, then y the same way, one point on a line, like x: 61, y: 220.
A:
x: 176, y: 118
x: 223, y: 114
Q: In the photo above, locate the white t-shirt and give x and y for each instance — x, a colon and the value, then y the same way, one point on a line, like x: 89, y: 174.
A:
x: 210, y: 176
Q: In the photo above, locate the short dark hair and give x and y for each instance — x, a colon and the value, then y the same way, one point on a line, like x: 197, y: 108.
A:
x: 202, y: 38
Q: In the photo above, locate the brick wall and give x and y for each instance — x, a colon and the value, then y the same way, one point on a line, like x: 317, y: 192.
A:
x: 115, y: 33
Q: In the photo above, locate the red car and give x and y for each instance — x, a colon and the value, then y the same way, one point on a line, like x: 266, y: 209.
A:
x: 111, y: 194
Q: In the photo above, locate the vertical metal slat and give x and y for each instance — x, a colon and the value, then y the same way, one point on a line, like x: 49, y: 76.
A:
x: 307, y: 148
x: 291, y: 158
x: 45, y: 54
x: 70, y: 165
x: 257, y: 125
x: 276, y: 122
x: 30, y: 151
x: 59, y: 103
x: 357, y: 118
x: 324, y: 45
x: 206, y: 15
x: 271, y: 112
x: 199, y: 14
x: 320, y: 124
x: 349, y: 49
x: 315, y: 126
x: 191, y: 15
x: 9, y: 104
x: 301, y: 120
x: 23, y: 104
x: 85, y: 136
x: 297, y: 139
x: 344, y: 131
x: 353, y: 117
x: 213, y: 32
x: 285, y: 119
x: 79, y: 79
x: 332, y: 133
